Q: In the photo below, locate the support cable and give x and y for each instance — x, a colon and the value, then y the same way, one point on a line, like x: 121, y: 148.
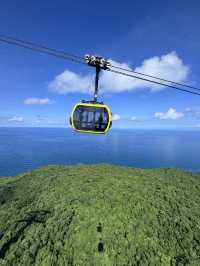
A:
x: 154, y: 77
x: 155, y: 82
x: 92, y: 61
x: 43, y: 49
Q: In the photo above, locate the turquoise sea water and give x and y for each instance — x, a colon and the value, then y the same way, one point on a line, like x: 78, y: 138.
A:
x: 23, y: 149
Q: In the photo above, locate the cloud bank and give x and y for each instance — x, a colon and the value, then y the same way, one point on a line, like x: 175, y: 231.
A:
x: 116, y: 117
x: 169, y: 66
x: 133, y: 118
x: 37, y: 101
x: 70, y: 82
x: 170, y: 114
x: 16, y: 119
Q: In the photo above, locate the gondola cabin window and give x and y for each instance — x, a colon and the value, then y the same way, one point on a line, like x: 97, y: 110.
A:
x: 91, y: 118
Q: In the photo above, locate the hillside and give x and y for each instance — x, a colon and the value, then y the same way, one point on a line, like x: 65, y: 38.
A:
x: 100, y: 215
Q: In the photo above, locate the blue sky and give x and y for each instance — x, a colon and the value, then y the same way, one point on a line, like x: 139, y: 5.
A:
x: 159, y: 37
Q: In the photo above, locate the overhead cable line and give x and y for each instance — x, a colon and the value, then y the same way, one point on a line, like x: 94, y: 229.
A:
x: 67, y: 56
x: 155, y: 82
x: 39, y: 46
x: 154, y: 77
x: 42, y: 49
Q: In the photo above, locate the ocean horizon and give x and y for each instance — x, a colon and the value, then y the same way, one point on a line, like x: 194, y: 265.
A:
x: 26, y: 148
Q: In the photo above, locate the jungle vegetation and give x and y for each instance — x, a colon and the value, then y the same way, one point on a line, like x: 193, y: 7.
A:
x: 100, y: 215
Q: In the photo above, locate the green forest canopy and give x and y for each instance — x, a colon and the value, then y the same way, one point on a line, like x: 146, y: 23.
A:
x: 100, y: 215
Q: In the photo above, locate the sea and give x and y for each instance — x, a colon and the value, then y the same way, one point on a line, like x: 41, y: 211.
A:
x: 23, y: 149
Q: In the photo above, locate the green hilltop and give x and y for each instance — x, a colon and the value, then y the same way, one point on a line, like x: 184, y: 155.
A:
x: 100, y: 215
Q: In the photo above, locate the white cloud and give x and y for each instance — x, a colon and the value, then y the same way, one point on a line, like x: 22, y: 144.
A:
x: 133, y: 118
x: 116, y: 117
x: 170, y: 114
x: 37, y: 101
x: 169, y: 66
x: 44, y: 121
x: 16, y: 119
x: 69, y: 81
x: 192, y: 112
x: 188, y: 109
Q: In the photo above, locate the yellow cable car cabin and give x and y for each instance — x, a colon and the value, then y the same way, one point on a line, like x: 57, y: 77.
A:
x: 91, y: 117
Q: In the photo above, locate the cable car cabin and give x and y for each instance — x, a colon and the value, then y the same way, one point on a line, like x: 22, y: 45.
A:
x: 91, y: 118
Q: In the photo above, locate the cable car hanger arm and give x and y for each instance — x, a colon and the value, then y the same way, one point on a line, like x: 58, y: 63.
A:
x: 98, y: 69
x: 99, y: 63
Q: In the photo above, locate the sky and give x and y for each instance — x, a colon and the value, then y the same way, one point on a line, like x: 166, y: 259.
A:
x: 153, y: 37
